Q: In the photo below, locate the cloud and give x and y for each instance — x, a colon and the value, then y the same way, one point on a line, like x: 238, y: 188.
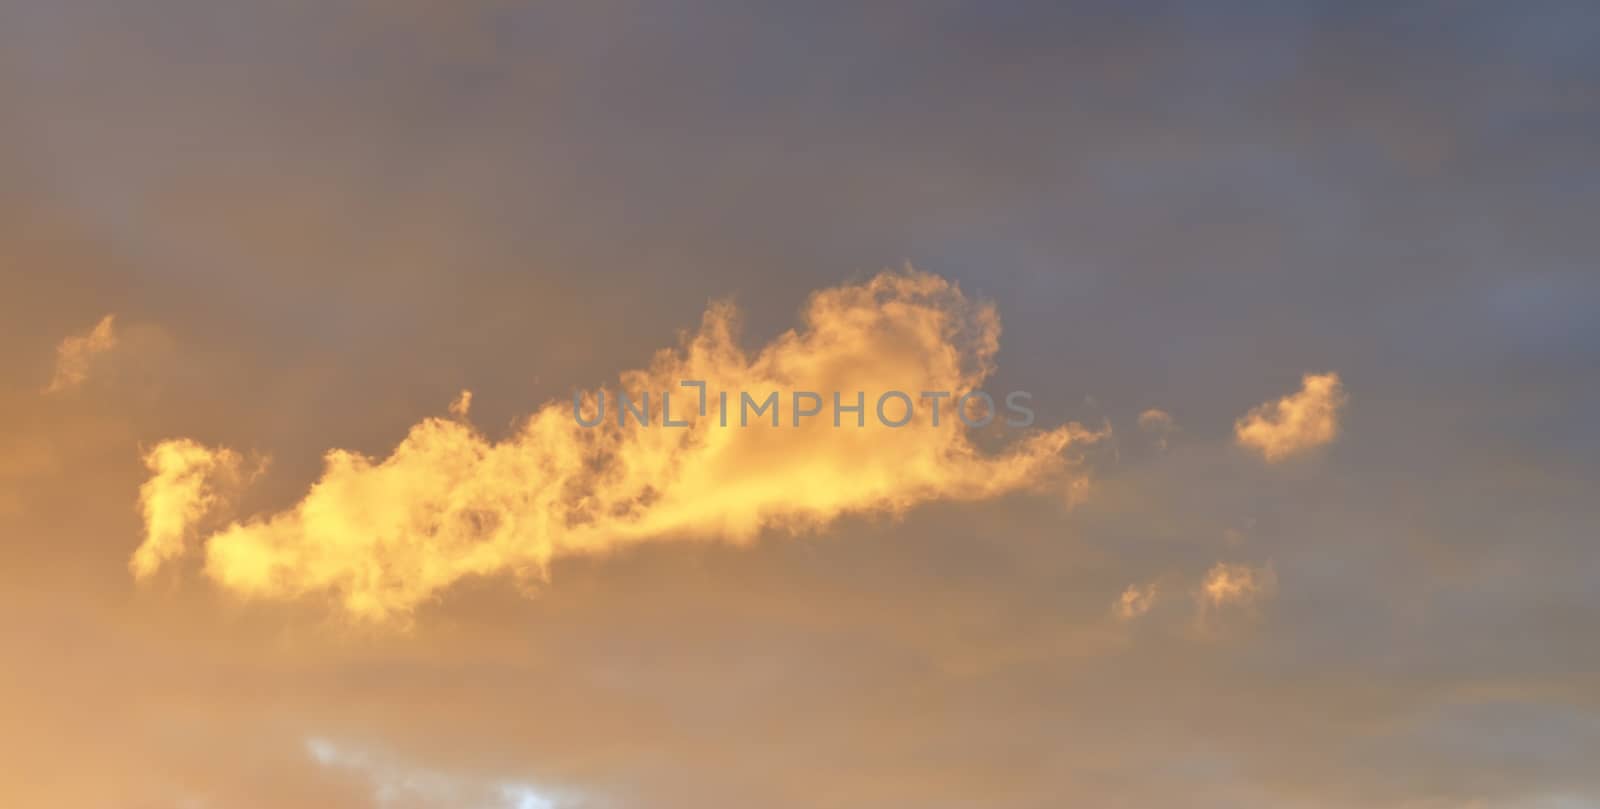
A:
x: 1158, y: 424
x: 1237, y: 584
x: 394, y: 784
x: 385, y: 535
x: 183, y: 487
x: 1135, y: 601
x: 75, y: 353
x: 961, y: 657
x: 1295, y: 423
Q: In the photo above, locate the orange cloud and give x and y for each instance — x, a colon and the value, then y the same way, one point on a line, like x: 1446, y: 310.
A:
x: 1226, y: 584
x: 74, y: 354
x: 181, y: 490
x: 1295, y: 423
x: 1136, y: 601
x: 384, y: 535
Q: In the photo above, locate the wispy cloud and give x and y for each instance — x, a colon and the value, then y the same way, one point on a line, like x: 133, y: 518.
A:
x: 394, y: 784
x: 75, y: 354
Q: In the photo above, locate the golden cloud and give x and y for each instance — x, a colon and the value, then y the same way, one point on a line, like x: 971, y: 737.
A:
x: 384, y: 535
x: 1295, y: 423
x: 74, y: 354
x: 183, y: 487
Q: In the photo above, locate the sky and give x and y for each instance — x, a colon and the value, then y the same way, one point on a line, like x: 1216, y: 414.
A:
x: 297, y: 300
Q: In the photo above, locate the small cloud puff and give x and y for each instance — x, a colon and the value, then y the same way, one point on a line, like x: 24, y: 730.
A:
x: 1237, y: 584
x: 1296, y: 423
x: 1159, y: 425
x: 1135, y: 601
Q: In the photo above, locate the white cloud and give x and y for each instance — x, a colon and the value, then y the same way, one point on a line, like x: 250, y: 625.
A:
x: 394, y: 784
